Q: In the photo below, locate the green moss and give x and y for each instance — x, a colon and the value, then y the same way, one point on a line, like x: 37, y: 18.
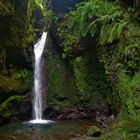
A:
x: 69, y: 38
x: 128, y: 87
x: 123, y: 128
x: 61, y: 90
x: 108, y: 68
x: 19, y: 33
x: 22, y: 75
x: 15, y: 53
x: 9, y: 84
x: 83, y: 79
x: 94, y: 131
x: 8, y: 107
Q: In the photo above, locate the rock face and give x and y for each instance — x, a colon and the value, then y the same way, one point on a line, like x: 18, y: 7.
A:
x: 61, y: 91
x: 106, y: 74
x: 76, y: 79
x: 16, y: 39
x: 16, y: 22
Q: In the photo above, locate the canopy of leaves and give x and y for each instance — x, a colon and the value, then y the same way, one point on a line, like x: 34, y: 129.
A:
x: 101, y: 19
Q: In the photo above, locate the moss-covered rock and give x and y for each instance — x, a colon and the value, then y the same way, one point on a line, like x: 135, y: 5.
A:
x: 106, y: 65
x: 7, y: 108
x: 16, y: 40
x: 10, y: 109
x: 94, y: 131
x: 61, y: 90
x: 19, y: 33
x: 81, y: 54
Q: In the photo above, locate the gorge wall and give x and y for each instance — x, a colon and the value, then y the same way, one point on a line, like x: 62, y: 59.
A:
x: 75, y: 76
x: 91, y: 60
x: 101, y: 46
x: 16, y: 39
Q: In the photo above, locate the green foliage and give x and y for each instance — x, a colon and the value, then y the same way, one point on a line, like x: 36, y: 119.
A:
x: 7, y: 108
x: 84, y: 85
x: 15, y: 49
x: 48, y: 14
x: 131, y: 57
x: 41, y: 4
x: 10, y: 84
x: 123, y: 128
x: 23, y: 74
x: 89, y: 79
x: 69, y: 38
x: 129, y: 89
x: 103, y: 20
x: 117, y: 35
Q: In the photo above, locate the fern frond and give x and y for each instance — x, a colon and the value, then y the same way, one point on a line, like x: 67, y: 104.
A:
x: 113, y: 33
x: 121, y: 28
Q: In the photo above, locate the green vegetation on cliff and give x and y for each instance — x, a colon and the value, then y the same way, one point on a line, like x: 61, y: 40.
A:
x: 92, y: 60
x: 16, y: 40
x: 112, y: 29
x: 9, y: 107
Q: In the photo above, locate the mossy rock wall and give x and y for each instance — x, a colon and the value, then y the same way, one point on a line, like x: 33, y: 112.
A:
x: 114, y: 66
x: 16, y: 32
x: 16, y: 41
x: 78, y: 80
x: 61, y: 91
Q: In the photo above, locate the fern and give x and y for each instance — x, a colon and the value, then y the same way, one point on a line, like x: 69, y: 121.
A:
x: 92, y: 17
x: 121, y: 27
x: 113, y: 33
x: 104, y: 34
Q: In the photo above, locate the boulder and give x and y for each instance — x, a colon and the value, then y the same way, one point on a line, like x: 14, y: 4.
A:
x: 94, y: 131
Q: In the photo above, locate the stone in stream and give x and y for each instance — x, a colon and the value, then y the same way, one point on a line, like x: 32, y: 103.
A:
x: 94, y: 131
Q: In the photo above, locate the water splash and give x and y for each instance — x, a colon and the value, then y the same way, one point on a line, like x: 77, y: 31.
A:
x: 40, y: 122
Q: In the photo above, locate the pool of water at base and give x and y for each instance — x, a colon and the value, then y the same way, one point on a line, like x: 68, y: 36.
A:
x: 57, y: 130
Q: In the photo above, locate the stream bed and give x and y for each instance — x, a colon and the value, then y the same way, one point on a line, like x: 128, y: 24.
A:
x: 57, y: 130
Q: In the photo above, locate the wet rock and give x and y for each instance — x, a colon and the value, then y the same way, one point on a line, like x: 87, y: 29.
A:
x: 51, y: 113
x: 104, y: 119
x: 25, y: 109
x: 111, y: 118
x: 94, y: 131
x: 70, y: 113
x: 101, y: 119
x: 15, y: 58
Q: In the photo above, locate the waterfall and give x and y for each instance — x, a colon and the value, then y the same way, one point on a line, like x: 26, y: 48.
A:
x: 37, y: 105
x: 38, y: 50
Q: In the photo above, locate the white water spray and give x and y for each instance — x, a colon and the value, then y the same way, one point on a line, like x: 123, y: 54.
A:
x: 38, y: 51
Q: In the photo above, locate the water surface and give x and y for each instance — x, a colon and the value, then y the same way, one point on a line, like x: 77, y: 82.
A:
x: 61, y: 130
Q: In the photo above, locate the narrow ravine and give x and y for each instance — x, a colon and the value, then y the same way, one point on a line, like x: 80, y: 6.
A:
x: 69, y: 69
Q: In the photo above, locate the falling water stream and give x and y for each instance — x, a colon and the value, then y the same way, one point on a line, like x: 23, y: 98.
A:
x: 37, y: 105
